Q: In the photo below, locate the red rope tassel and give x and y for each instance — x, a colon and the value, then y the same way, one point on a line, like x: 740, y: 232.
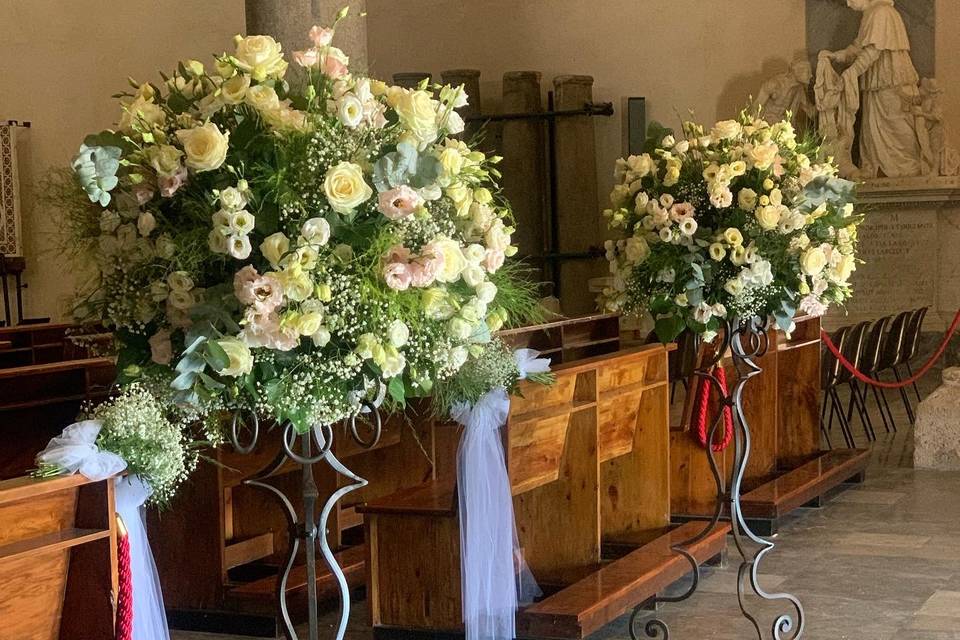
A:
x: 700, y: 410
x: 124, y: 623
x: 892, y: 385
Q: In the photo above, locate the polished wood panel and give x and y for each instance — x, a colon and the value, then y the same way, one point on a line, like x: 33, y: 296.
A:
x: 616, y: 588
x: 799, y: 486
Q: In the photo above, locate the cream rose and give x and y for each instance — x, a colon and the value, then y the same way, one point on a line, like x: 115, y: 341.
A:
x: 164, y: 158
x: 812, y: 261
x: 143, y: 112
x: 274, y: 247
x: 768, y: 217
x: 747, y: 199
x: 240, y: 358
x: 262, y: 98
x: 205, y: 146
x: 418, y: 114
x: 345, y: 188
x: 725, y: 130
x: 234, y: 90
x: 453, y: 259
x: 260, y: 56
x: 763, y: 155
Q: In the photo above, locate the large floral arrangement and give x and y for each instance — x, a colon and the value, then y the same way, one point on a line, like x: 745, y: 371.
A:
x: 295, y: 248
x: 740, y: 221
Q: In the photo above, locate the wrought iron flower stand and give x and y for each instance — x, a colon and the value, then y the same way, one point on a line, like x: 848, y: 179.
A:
x: 747, y: 340
x: 314, y: 446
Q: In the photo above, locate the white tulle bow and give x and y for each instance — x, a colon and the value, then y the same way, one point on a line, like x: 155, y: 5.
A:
x: 494, y: 578
x: 75, y: 449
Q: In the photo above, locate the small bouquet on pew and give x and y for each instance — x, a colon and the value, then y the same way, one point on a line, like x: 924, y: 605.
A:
x: 294, y: 247
x: 742, y: 220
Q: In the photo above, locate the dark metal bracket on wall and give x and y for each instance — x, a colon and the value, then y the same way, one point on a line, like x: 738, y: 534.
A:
x: 550, y: 255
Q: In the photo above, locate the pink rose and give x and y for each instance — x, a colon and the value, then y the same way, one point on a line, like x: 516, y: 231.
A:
x: 321, y: 36
x: 243, y: 284
x: 161, y: 351
x: 398, y: 276
x: 493, y: 260
x: 399, y: 203
x: 307, y: 59
x: 332, y: 63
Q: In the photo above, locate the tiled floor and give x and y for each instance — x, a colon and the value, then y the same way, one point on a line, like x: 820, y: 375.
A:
x: 880, y: 561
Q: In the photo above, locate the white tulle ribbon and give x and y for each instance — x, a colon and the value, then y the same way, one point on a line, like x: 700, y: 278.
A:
x: 75, y: 450
x: 494, y: 578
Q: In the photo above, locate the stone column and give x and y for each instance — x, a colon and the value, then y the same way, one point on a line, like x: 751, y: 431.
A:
x: 524, y: 162
x: 575, y: 208
x: 289, y: 21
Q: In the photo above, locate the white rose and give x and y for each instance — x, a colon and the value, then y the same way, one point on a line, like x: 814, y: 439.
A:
x: 274, y: 247
x: 763, y: 155
x: 398, y: 333
x: 238, y: 353
x: 146, y: 223
x: 474, y: 253
x: 217, y: 241
x: 418, y: 113
x: 453, y: 260
x: 345, y: 188
x: 812, y: 261
x: 459, y: 329
x: 486, y: 292
x: 747, y: 199
x: 205, y: 146
x: 473, y: 274
x: 637, y: 250
x: 262, y: 98
x: 316, y: 231
x: 768, y: 217
x: 725, y: 130
x: 321, y: 337
x: 260, y: 56
x: 234, y: 90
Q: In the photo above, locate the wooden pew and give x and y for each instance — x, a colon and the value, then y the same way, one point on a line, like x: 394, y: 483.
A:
x: 38, y: 401
x: 58, y: 560
x: 32, y: 344
x: 588, y: 462
x: 786, y: 469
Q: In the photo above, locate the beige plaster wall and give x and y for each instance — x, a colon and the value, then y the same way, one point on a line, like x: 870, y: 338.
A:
x: 60, y: 64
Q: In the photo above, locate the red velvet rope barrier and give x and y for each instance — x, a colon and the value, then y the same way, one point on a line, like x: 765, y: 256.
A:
x: 893, y: 385
x: 700, y: 410
x: 124, y: 623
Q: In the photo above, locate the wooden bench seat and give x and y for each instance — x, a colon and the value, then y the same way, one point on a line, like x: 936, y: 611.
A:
x: 616, y: 588
x: 800, y: 486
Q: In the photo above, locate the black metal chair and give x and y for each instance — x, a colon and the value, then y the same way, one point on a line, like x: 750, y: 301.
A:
x: 829, y: 372
x: 890, y: 354
x: 851, y: 350
x: 869, y: 361
x: 911, y: 342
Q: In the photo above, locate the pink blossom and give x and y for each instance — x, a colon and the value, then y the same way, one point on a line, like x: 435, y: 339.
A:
x: 307, y: 59
x: 161, y: 351
x: 260, y: 327
x: 243, y: 284
x: 321, y: 36
x: 493, y: 260
x: 681, y: 210
x: 170, y: 184
x: 267, y: 293
x: 398, y: 276
x: 811, y: 305
x: 333, y: 67
x: 397, y: 253
x: 400, y: 202
x: 143, y: 194
x: 427, y: 265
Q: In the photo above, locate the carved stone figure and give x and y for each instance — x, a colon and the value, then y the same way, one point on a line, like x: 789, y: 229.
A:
x: 880, y: 59
x: 788, y: 92
x: 945, y: 159
x: 838, y: 100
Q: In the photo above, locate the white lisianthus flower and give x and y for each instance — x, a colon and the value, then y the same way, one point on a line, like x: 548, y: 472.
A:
x: 747, y: 199
x: 238, y: 246
x: 232, y: 199
x: 436, y: 304
x: 636, y: 250
x: 242, y: 222
x: 316, y: 231
x: 688, y: 227
x: 240, y: 358
x: 733, y: 236
x: 181, y: 300
x: 486, y: 292
x: 717, y: 251
x: 165, y: 246
x: 141, y: 111
x: 217, y: 241
x: 666, y: 234
x: 474, y: 253
x: 734, y: 286
x: 205, y: 146
x: 350, y: 111
x: 473, y: 274
x: 309, y: 323
x: 321, y: 337
x: 180, y: 281
x: 459, y: 329
x: 454, y: 123
x: 345, y: 188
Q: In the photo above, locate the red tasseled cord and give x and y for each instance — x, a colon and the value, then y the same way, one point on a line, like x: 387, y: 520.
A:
x: 700, y: 414
x: 124, y: 624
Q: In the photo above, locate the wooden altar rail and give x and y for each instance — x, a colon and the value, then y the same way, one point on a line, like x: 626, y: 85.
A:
x: 786, y: 469
x: 33, y: 344
x: 58, y: 560
x: 588, y: 461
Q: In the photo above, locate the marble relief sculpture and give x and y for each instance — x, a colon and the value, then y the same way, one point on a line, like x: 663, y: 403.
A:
x: 870, y: 91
